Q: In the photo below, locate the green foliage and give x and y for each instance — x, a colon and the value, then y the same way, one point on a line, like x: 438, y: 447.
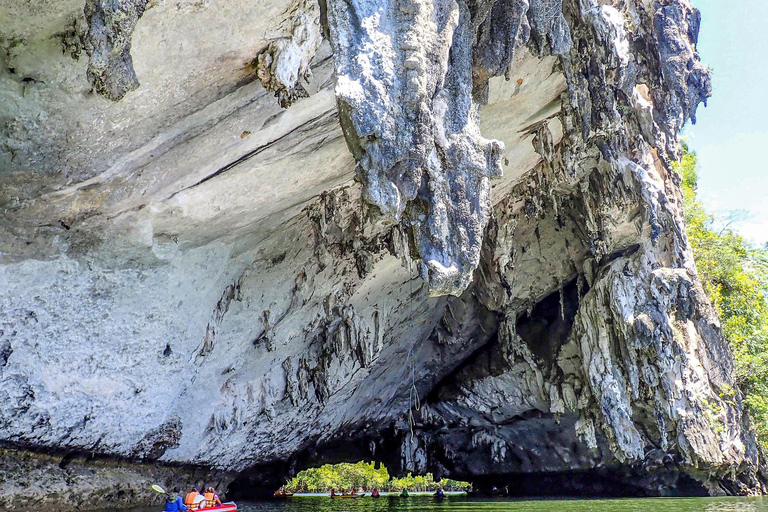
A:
x: 735, y: 277
x: 366, y: 476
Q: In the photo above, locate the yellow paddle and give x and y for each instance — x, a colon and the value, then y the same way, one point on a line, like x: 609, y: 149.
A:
x: 159, y: 489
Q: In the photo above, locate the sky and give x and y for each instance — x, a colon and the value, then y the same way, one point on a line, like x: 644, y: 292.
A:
x: 731, y: 133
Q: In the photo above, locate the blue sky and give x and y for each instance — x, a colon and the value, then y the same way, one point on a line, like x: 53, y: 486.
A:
x: 731, y: 135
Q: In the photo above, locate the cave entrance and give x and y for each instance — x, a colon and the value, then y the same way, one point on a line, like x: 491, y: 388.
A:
x: 347, y: 477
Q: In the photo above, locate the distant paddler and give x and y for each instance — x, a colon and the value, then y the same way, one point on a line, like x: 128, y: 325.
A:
x: 282, y: 493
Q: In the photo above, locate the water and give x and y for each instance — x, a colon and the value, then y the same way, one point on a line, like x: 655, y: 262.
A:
x: 465, y: 504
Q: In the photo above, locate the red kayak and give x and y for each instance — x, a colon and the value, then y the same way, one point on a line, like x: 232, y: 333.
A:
x: 224, y: 507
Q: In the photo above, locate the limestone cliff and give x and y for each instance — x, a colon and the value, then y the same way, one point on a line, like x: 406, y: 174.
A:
x: 239, y: 238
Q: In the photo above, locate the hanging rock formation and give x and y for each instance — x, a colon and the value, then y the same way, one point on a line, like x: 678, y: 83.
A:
x: 404, y: 92
x: 238, y: 240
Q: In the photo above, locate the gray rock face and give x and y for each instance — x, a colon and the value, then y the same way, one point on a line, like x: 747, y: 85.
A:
x: 30, y: 479
x: 108, y: 44
x: 192, y: 279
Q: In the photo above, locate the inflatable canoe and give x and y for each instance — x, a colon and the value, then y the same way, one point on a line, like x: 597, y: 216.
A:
x: 224, y: 507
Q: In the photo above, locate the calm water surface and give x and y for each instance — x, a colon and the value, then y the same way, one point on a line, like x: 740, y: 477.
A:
x: 464, y: 504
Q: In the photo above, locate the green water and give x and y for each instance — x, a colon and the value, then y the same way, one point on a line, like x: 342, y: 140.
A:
x: 464, y: 504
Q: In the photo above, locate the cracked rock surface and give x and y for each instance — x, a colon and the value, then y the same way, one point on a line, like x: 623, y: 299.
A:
x: 235, y: 238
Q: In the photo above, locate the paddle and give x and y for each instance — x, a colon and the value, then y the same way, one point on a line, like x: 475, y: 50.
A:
x: 159, y: 489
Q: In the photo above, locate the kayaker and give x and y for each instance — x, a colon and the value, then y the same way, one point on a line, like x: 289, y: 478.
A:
x: 211, y: 498
x: 375, y: 493
x: 404, y: 494
x: 199, y: 502
x: 191, y: 500
x: 439, y: 493
x: 173, y: 501
x: 333, y: 493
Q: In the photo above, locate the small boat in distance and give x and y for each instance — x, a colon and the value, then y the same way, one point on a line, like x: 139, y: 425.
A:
x: 347, y: 495
x: 282, y: 494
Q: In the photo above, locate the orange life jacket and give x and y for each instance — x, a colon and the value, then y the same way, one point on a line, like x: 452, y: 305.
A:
x: 210, y: 499
x: 189, y: 500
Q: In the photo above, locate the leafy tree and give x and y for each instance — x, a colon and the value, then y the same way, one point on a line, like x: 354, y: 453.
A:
x: 735, y: 277
x: 366, y: 476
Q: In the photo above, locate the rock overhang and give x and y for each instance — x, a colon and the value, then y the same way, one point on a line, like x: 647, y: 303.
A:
x: 214, y: 168
x: 201, y: 216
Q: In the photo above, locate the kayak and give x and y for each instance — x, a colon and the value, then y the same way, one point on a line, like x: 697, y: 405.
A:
x: 348, y: 495
x: 224, y: 507
x: 282, y: 494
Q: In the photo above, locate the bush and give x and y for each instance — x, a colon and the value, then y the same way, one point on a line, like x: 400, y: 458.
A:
x: 366, y: 476
x: 735, y: 276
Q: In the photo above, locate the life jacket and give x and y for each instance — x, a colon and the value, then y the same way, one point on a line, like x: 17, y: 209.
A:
x: 189, y: 500
x: 210, y: 499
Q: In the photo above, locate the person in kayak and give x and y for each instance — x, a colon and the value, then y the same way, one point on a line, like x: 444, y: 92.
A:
x: 173, y: 501
x: 191, y: 499
x: 439, y: 493
x: 375, y: 493
x: 404, y: 494
x: 211, y: 498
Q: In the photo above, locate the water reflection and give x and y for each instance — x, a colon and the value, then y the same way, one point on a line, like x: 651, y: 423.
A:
x: 464, y: 504
x: 748, y: 505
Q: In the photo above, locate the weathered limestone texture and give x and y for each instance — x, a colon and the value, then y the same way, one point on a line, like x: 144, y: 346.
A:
x: 108, y: 44
x: 403, y: 86
x: 284, y: 67
x: 306, y: 212
x: 30, y: 480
